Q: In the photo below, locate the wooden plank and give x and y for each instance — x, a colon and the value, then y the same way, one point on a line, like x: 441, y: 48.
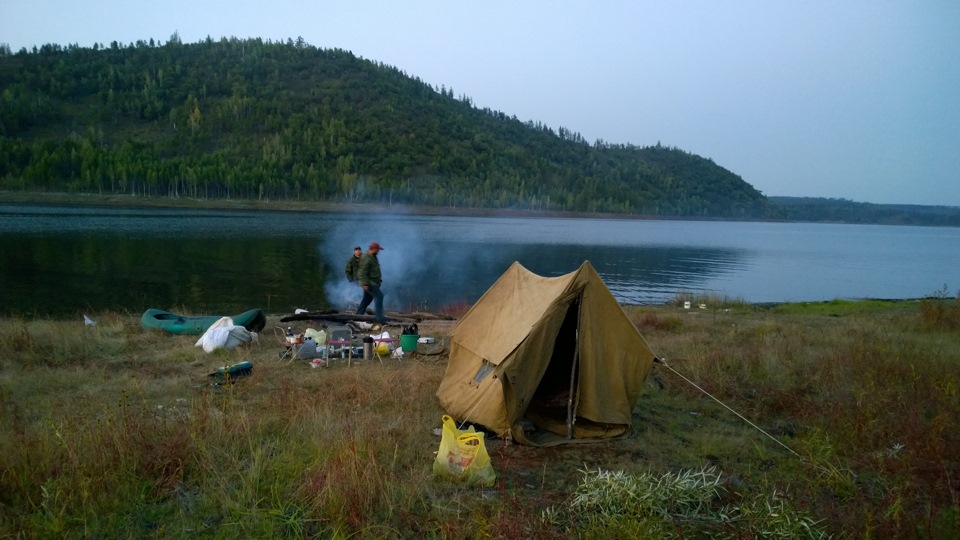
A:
x: 343, y: 317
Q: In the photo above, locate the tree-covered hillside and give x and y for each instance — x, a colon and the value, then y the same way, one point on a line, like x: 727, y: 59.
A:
x: 261, y: 120
x: 845, y: 211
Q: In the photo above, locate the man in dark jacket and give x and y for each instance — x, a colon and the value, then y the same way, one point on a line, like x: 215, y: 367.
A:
x: 368, y: 274
x: 353, y: 264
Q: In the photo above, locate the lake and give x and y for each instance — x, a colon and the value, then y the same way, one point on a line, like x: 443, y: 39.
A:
x: 63, y: 260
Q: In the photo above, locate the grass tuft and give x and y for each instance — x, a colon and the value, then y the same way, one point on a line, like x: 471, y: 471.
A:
x: 675, y: 505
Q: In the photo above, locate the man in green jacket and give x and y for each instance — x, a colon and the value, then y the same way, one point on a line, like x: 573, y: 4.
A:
x: 353, y: 264
x: 368, y: 274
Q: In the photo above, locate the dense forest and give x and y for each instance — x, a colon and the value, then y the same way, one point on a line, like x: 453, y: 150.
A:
x: 255, y: 119
x: 846, y: 211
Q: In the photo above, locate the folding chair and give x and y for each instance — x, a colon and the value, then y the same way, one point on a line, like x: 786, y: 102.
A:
x: 339, y: 340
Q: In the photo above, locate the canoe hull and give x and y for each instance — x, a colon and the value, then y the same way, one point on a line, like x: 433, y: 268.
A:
x: 172, y: 323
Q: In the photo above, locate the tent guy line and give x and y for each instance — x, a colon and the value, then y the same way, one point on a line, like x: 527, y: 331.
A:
x: 663, y: 362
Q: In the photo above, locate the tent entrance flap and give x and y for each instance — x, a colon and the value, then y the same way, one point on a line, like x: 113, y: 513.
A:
x: 553, y: 405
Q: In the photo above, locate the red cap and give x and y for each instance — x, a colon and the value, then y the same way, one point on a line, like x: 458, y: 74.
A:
x: 376, y: 246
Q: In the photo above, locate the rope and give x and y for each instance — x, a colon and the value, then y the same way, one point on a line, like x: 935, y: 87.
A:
x: 663, y: 363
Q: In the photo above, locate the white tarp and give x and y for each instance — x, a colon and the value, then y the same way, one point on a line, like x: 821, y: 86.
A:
x: 225, y: 334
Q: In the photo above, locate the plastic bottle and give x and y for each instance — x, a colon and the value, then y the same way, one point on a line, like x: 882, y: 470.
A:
x: 322, y: 343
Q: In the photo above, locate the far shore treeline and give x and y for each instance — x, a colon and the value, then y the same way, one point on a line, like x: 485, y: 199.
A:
x: 257, y: 120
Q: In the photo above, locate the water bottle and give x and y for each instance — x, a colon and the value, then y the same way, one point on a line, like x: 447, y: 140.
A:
x: 368, y: 348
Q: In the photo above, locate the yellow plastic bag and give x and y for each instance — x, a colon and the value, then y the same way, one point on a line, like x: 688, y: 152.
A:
x: 463, y: 456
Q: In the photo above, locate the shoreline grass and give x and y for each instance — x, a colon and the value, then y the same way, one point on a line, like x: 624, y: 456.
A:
x: 110, y: 430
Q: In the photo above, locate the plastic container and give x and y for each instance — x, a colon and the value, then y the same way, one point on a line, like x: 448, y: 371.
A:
x: 408, y: 342
x: 306, y: 350
x: 291, y: 337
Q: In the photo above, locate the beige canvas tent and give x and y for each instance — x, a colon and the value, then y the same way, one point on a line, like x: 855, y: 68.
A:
x: 548, y: 360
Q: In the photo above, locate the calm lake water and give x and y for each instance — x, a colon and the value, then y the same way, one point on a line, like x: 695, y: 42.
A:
x: 61, y: 260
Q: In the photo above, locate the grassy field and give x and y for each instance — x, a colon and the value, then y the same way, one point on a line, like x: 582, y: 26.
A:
x: 113, y: 431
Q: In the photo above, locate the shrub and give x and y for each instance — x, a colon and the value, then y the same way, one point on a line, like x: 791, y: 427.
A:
x: 647, y: 321
x: 940, y: 312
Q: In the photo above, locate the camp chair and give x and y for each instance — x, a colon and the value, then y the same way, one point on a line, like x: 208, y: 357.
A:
x: 288, y: 353
x: 339, y: 340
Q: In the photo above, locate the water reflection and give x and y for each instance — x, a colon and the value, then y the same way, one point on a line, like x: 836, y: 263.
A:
x: 63, y: 260
x: 67, y: 272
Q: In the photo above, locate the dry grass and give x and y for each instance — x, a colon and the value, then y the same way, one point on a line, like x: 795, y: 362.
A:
x: 869, y: 398
x: 113, y: 431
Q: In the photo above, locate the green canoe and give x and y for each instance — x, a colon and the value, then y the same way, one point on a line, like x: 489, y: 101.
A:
x: 253, y: 320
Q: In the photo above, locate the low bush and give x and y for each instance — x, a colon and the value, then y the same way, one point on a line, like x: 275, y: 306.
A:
x: 940, y: 312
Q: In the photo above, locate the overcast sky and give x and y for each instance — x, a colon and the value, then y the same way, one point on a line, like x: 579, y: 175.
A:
x: 856, y: 99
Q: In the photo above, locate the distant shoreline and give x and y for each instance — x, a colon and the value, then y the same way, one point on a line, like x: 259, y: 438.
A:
x: 127, y: 201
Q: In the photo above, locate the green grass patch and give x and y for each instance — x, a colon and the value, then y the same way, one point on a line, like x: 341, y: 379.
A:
x: 840, y: 307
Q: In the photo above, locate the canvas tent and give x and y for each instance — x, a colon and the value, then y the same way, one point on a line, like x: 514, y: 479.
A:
x: 549, y: 360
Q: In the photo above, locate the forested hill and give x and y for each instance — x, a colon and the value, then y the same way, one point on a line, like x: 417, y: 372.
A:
x: 287, y: 121
x: 816, y: 209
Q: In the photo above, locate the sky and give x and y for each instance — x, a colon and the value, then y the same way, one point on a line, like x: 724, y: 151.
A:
x: 857, y: 99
